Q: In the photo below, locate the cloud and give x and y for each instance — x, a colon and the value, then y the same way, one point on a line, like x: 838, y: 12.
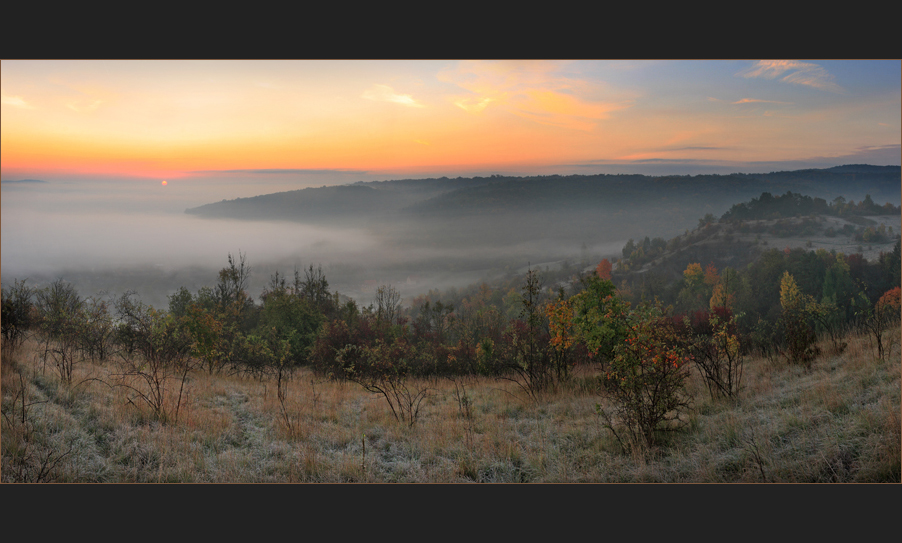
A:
x: 756, y: 100
x: 797, y: 72
x: 539, y: 91
x: 284, y: 171
x: 474, y: 105
x: 384, y: 93
x: 697, y: 148
x: 81, y: 109
x: 15, y: 101
x: 875, y: 154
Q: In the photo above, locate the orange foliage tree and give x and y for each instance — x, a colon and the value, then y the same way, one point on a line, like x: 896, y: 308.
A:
x: 604, y: 270
x: 879, y: 319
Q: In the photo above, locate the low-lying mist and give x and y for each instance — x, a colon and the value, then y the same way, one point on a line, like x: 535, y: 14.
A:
x: 117, y: 236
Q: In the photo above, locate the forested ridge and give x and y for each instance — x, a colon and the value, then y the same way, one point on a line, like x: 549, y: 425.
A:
x: 464, y: 196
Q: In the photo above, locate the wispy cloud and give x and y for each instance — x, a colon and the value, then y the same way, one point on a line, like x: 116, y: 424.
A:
x: 15, y: 101
x: 535, y: 90
x: 283, y: 171
x: 697, y: 148
x: 757, y: 101
x: 474, y: 105
x: 796, y: 72
x: 384, y: 93
x: 77, y: 107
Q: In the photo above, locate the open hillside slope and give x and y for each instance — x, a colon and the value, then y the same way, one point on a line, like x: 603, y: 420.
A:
x: 835, y: 422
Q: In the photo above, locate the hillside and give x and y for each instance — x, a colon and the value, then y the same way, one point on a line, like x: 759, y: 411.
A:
x: 736, y: 245
x: 502, y: 209
x: 838, y: 422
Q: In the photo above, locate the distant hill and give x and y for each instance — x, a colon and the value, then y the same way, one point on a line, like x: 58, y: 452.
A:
x: 503, y: 194
x: 499, y: 209
x: 23, y: 181
x: 863, y: 168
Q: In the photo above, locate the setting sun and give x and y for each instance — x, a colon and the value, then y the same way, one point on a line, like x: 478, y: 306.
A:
x: 165, y: 183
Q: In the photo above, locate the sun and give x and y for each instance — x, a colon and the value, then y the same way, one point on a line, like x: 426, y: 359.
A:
x: 165, y: 183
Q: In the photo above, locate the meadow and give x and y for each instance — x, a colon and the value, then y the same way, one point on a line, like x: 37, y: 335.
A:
x: 838, y: 421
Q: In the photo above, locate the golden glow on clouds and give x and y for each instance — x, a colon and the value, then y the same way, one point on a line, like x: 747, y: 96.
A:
x: 473, y: 105
x: 533, y: 90
x: 799, y: 73
x: 384, y: 93
x: 15, y: 101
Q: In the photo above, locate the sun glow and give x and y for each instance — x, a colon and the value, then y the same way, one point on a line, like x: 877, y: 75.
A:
x: 171, y: 118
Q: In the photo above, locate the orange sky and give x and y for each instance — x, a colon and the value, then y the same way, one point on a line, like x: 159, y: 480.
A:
x: 169, y: 118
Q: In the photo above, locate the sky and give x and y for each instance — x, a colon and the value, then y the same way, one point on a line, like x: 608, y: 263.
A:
x: 302, y: 123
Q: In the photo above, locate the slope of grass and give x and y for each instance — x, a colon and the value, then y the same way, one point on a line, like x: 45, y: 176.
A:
x: 838, y: 422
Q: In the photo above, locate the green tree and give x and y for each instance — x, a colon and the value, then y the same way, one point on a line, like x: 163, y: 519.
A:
x: 294, y: 318
x: 599, y: 320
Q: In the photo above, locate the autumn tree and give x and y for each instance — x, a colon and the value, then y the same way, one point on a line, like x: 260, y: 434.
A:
x: 560, y: 324
x: 645, y: 380
x: 797, y: 307
x: 603, y: 270
x: 692, y: 294
x: 713, y: 342
x: 879, y: 318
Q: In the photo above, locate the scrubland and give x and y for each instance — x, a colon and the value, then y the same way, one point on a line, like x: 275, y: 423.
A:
x: 837, y: 421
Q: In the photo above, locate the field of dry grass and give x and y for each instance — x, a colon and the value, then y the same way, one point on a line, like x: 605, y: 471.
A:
x: 838, y: 422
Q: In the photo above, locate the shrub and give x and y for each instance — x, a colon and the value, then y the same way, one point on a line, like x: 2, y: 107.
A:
x: 16, y: 316
x: 158, y: 353
x: 385, y: 369
x: 797, y: 309
x: 646, y: 380
x: 60, y: 316
x: 879, y: 318
x: 714, y: 346
x: 526, y: 353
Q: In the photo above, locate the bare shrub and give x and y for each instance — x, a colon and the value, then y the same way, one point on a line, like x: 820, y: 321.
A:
x: 718, y: 356
x: 385, y: 369
x: 158, y: 359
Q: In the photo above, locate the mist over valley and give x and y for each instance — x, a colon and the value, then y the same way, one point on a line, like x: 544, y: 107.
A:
x: 415, y: 234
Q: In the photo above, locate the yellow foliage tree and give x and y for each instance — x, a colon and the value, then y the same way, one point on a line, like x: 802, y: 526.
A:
x: 797, y: 308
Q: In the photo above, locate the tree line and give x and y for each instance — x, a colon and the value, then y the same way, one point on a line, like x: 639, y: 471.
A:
x: 642, y: 343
